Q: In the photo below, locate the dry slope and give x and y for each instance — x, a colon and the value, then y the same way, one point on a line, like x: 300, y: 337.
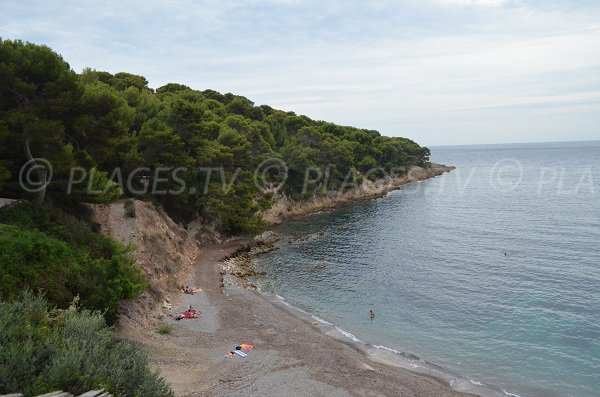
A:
x: 164, y: 250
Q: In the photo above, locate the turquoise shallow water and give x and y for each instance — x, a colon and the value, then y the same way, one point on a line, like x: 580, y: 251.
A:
x: 491, y: 271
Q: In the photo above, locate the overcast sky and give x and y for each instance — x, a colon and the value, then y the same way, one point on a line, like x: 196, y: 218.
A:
x: 437, y: 71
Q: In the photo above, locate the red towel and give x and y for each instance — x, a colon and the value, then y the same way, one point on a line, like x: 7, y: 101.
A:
x: 189, y: 315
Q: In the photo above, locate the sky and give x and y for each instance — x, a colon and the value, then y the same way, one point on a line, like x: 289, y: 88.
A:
x: 440, y: 72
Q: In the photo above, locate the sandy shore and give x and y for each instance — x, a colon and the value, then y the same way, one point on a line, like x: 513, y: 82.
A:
x: 292, y: 355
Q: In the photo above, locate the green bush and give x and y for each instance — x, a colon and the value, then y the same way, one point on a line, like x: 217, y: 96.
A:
x: 44, y: 349
x: 54, y: 252
x: 97, y: 188
x: 163, y: 329
x: 129, y: 208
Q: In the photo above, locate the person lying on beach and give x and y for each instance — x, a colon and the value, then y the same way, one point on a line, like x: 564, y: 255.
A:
x: 175, y: 315
x: 189, y: 315
x: 191, y: 291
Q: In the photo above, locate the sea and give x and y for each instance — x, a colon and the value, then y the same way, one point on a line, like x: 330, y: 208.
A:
x: 487, y: 276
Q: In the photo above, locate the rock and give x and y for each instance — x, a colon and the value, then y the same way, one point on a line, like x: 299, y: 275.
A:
x: 268, y: 237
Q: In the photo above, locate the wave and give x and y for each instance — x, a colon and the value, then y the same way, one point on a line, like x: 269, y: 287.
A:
x: 320, y: 320
x: 349, y: 335
x: 406, y: 360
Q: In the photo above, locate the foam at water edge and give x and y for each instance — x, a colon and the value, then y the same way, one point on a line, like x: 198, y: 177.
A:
x: 320, y: 320
x: 282, y: 299
x: 387, y: 349
x: 408, y: 360
x: 345, y: 333
x: 349, y: 335
x: 398, y: 353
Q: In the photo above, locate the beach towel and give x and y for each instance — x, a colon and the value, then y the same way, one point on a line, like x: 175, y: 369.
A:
x: 189, y: 315
x: 238, y: 350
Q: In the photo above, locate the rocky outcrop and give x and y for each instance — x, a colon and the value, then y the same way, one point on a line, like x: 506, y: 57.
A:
x: 237, y: 269
x: 285, y: 208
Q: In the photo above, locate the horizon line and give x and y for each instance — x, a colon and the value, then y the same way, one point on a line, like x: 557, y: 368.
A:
x: 511, y: 143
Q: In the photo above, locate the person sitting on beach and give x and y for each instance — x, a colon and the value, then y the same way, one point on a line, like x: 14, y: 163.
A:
x: 371, y: 314
x: 175, y: 315
x: 186, y: 289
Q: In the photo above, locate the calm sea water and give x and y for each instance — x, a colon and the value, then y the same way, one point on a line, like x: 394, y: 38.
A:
x: 491, y: 271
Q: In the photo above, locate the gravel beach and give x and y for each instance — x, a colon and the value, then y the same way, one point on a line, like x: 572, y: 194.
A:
x: 292, y: 356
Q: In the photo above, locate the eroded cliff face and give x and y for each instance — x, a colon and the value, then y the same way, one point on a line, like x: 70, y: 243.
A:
x: 164, y: 250
x: 285, y: 208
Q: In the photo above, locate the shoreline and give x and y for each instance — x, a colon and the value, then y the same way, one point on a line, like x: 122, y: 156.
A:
x: 285, y: 208
x: 292, y: 356
x: 389, y: 356
x: 295, y: 353
x: 241, y: 273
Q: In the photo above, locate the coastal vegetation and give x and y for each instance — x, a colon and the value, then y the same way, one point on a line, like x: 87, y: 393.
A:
x: 69, y: 138
x: 43, y: 349
x: 95, y: 120
x: 47, y: 249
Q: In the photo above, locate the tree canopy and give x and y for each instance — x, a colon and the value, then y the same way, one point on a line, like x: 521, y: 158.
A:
x: 106, y: 121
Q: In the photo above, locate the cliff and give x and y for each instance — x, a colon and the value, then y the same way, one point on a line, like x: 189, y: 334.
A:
x: 285, y: 208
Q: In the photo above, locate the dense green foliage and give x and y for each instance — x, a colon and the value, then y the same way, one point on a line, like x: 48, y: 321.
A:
x: 97, y: 119
x: 46, y: 249
x: 199, y: 154
x: 44, y: 350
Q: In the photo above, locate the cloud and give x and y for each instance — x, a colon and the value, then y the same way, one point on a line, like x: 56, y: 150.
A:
x: 474, y: 2
x: 440, y: 71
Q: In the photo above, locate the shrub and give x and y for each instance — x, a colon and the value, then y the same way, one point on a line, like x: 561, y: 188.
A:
x: 59, y: 254
x: 163, y: 329
x: 97, y: 188
x: 44, y: 349
x: 129, y: 207
x: 63, y: 226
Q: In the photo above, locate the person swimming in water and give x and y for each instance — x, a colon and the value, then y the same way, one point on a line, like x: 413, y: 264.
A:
x: 371, y: 314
